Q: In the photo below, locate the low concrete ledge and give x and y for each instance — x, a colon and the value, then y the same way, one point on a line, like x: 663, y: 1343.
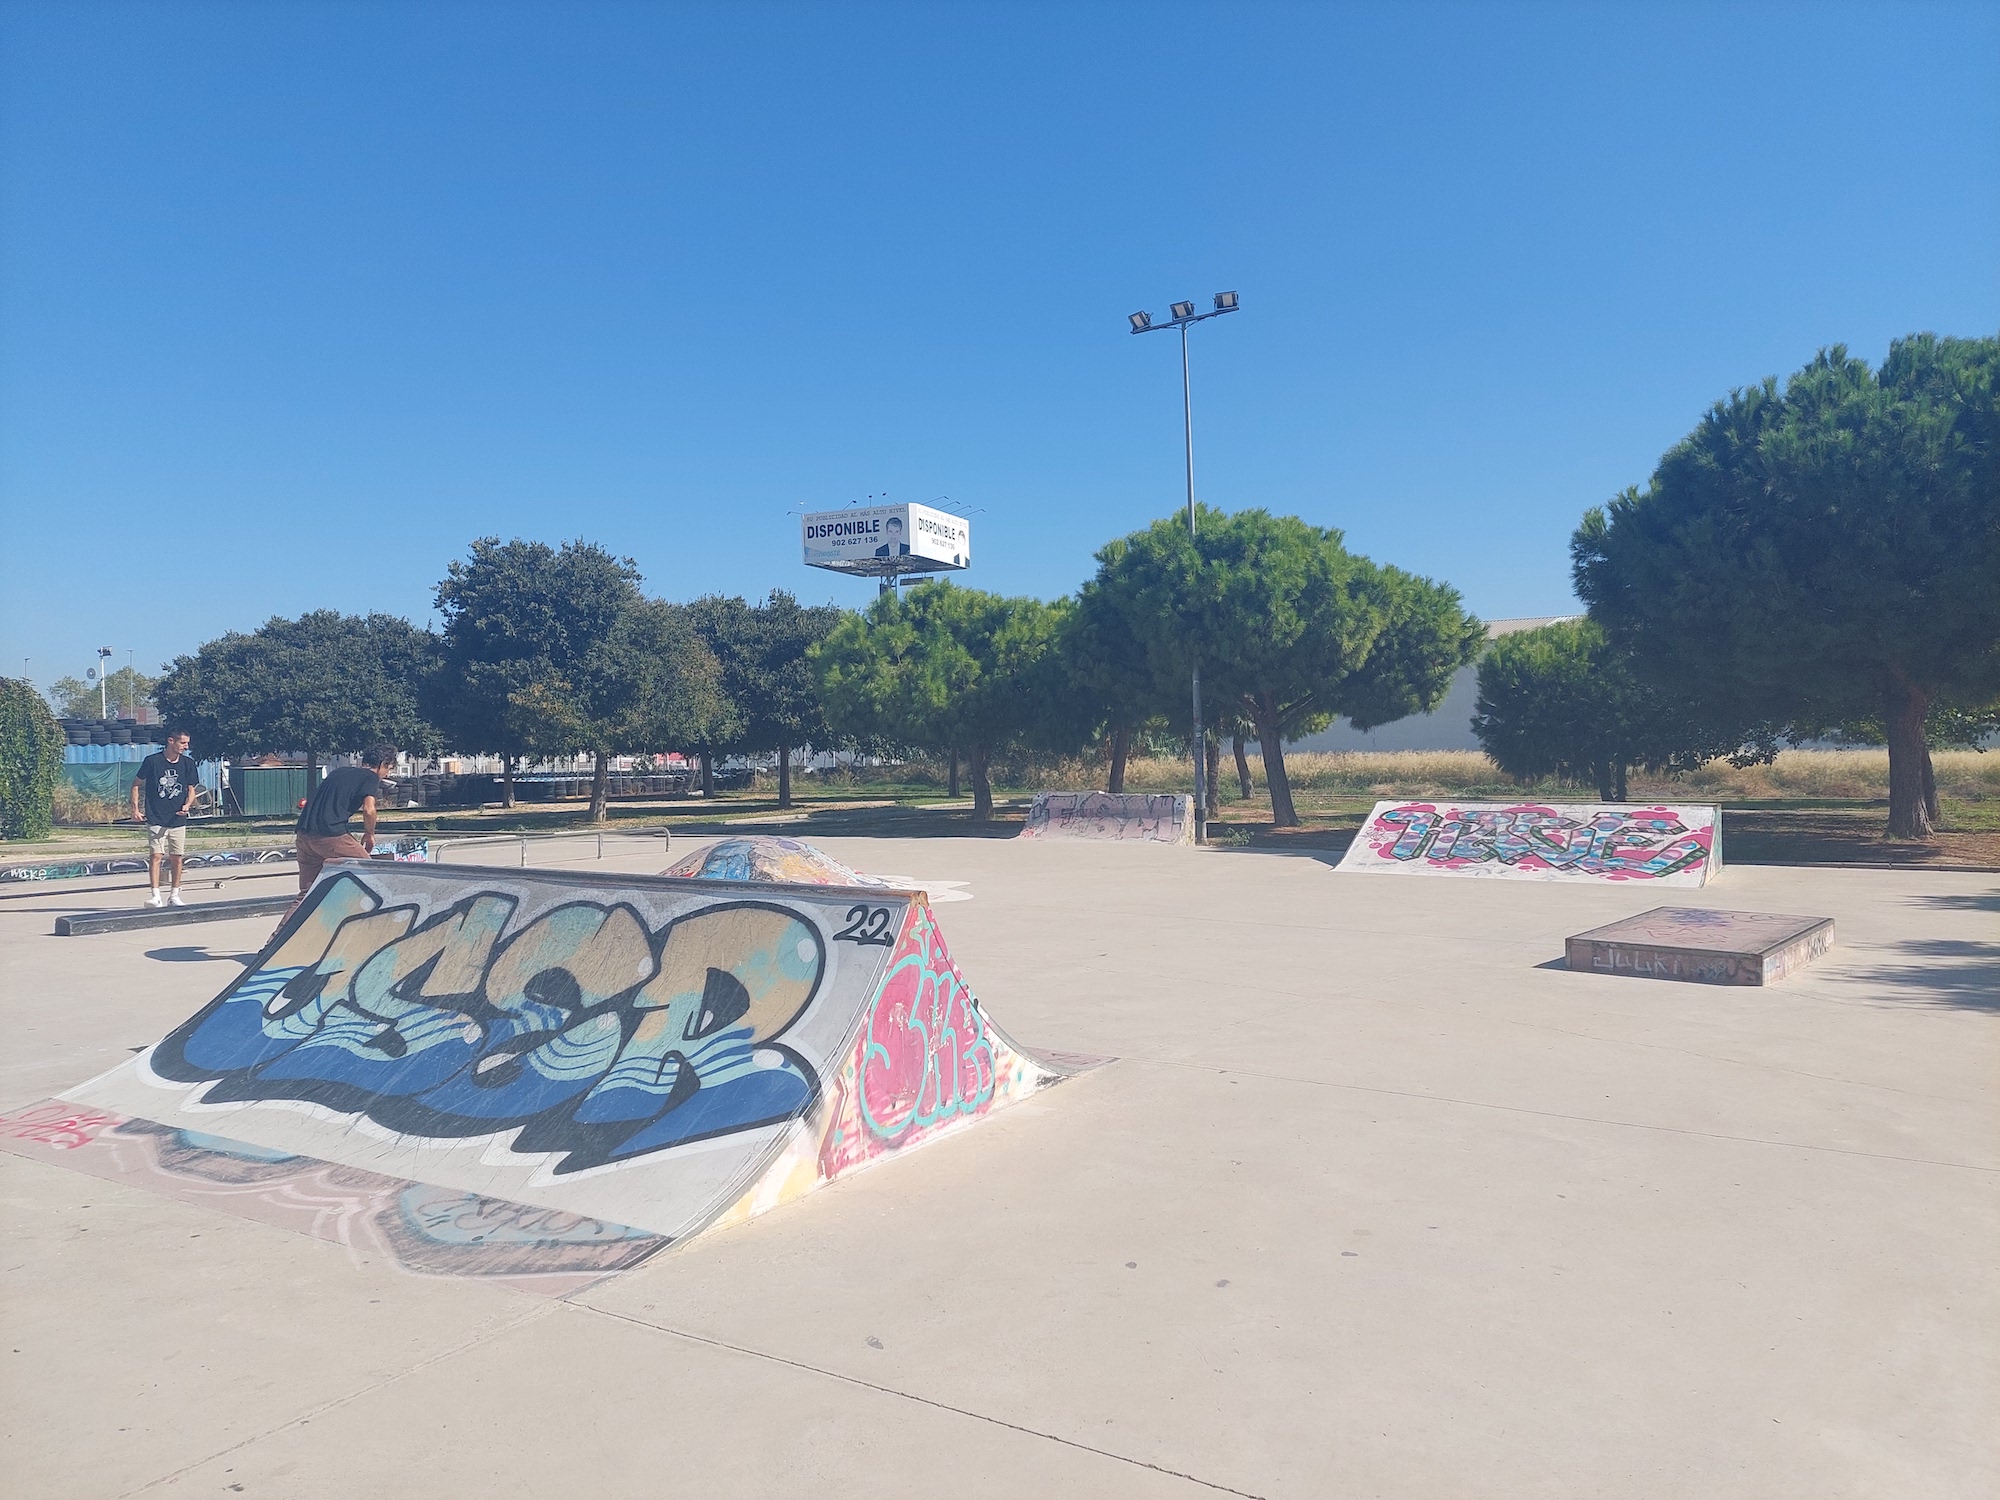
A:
x: 89, y: 923
x: 1700, y: 946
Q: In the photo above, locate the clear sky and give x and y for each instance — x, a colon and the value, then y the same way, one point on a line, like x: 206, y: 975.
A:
x: 297, y: 299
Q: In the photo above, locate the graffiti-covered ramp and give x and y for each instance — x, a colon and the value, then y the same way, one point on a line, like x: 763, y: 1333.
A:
x: 1595, y: 842
x: 643, y: 1054
x: 1125, y: 817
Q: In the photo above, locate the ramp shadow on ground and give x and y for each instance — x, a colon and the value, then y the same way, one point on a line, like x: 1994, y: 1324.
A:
x: 187, y: 955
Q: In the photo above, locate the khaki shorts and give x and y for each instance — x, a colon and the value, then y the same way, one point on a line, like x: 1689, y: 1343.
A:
x: 166, y: 840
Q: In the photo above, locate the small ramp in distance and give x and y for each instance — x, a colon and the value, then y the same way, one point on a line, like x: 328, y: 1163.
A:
x: 1594, y: 842
x: 541, y: 1076
x: 1135, y: 817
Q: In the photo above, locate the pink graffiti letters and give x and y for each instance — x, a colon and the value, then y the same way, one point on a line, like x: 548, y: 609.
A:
x: 926, y: 1055
x: 53, y: 1123
x: 1642, y: 844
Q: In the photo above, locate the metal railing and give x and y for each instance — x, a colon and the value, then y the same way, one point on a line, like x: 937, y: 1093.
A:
x: 592, y: 845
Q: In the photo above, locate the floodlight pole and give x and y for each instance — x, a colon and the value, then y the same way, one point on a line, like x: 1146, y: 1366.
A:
x: 1184, y: 318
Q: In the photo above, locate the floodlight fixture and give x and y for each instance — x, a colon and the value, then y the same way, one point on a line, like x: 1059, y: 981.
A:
x: 1184, y: 318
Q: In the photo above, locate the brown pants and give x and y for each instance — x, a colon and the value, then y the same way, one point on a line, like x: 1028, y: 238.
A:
x: 315, y: 852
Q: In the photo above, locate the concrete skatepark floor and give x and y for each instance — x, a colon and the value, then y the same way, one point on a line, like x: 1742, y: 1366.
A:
x: 1378, y: 1200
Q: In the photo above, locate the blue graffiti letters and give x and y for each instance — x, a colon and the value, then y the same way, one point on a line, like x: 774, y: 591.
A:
x: 590, y: 1037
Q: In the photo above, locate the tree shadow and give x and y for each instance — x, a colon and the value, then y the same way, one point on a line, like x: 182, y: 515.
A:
x: 197, y: 956
x: 1968, y: 901
x: 1942, y: 971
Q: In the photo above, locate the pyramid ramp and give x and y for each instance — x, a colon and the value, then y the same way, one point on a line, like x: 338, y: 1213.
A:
x: 542, y: 1076
x: 1594, y: 842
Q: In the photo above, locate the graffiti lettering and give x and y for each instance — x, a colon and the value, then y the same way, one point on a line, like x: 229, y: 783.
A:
x: 63, y: 1126
x: 926, y: 1056
x: 585, y: 1034
x: 423, y: 1229
x: 1157, y: 818
x: 1641, y: 844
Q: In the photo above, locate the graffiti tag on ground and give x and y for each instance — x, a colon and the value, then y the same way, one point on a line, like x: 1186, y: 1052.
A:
x: 420, y: 1228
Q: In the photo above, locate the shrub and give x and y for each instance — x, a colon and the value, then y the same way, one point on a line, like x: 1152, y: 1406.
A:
x: 31, y: 753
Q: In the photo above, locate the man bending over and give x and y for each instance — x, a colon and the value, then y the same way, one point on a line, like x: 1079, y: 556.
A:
x: 325, y: 830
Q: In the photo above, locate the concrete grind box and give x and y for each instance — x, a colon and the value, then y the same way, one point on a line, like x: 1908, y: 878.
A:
x: 1698, y: 946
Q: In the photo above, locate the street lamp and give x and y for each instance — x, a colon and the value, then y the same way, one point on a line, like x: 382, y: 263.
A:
x: 104, y: 654
x: 1185, y: 317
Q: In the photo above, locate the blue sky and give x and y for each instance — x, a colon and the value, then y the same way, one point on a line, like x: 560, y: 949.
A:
x: 295, y: 300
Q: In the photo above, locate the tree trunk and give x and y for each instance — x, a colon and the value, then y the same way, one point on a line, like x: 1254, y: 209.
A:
x: 707, y: 774
x: 1121, y: 751
x: 600, y: 786
x: 951, y: 786
x: 784, y: 775
x: 982, y: 789
x: 1910, y: 775
x: 507, y: 764
x: 1618, y: 779
x: 1265, y: 712
x: 1214, y: 776
x: 1243, y: 784
x: 1930, y: 788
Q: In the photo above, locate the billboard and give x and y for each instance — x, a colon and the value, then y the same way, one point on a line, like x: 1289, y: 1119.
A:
x: 878, y: 541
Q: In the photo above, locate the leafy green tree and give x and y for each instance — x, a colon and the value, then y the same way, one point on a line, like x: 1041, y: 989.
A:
x: 125, y: 690
x: 325, y: 683
x: 1562, y: 701
x: 1110, y: 674
x: 649, y: 683
x: 519, y: 618
x: 768, y: 678
x: 1289, y: 628
x: 1821, y: 556
x: 31, y: 755
x: 947, y: 668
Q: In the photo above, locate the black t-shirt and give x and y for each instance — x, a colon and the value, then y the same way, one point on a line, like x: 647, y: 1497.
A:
x: 164, y: 784
x: 336, y: 800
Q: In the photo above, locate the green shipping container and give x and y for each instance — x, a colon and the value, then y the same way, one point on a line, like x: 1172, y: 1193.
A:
x: 270, y: 791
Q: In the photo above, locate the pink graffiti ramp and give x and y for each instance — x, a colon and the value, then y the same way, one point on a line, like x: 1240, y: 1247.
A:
x: 1596, y: 842
x: 637, y: 1052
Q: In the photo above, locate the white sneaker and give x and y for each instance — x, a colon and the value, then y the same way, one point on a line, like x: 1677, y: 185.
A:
x: 175, y: 898
x: 158, y: 898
